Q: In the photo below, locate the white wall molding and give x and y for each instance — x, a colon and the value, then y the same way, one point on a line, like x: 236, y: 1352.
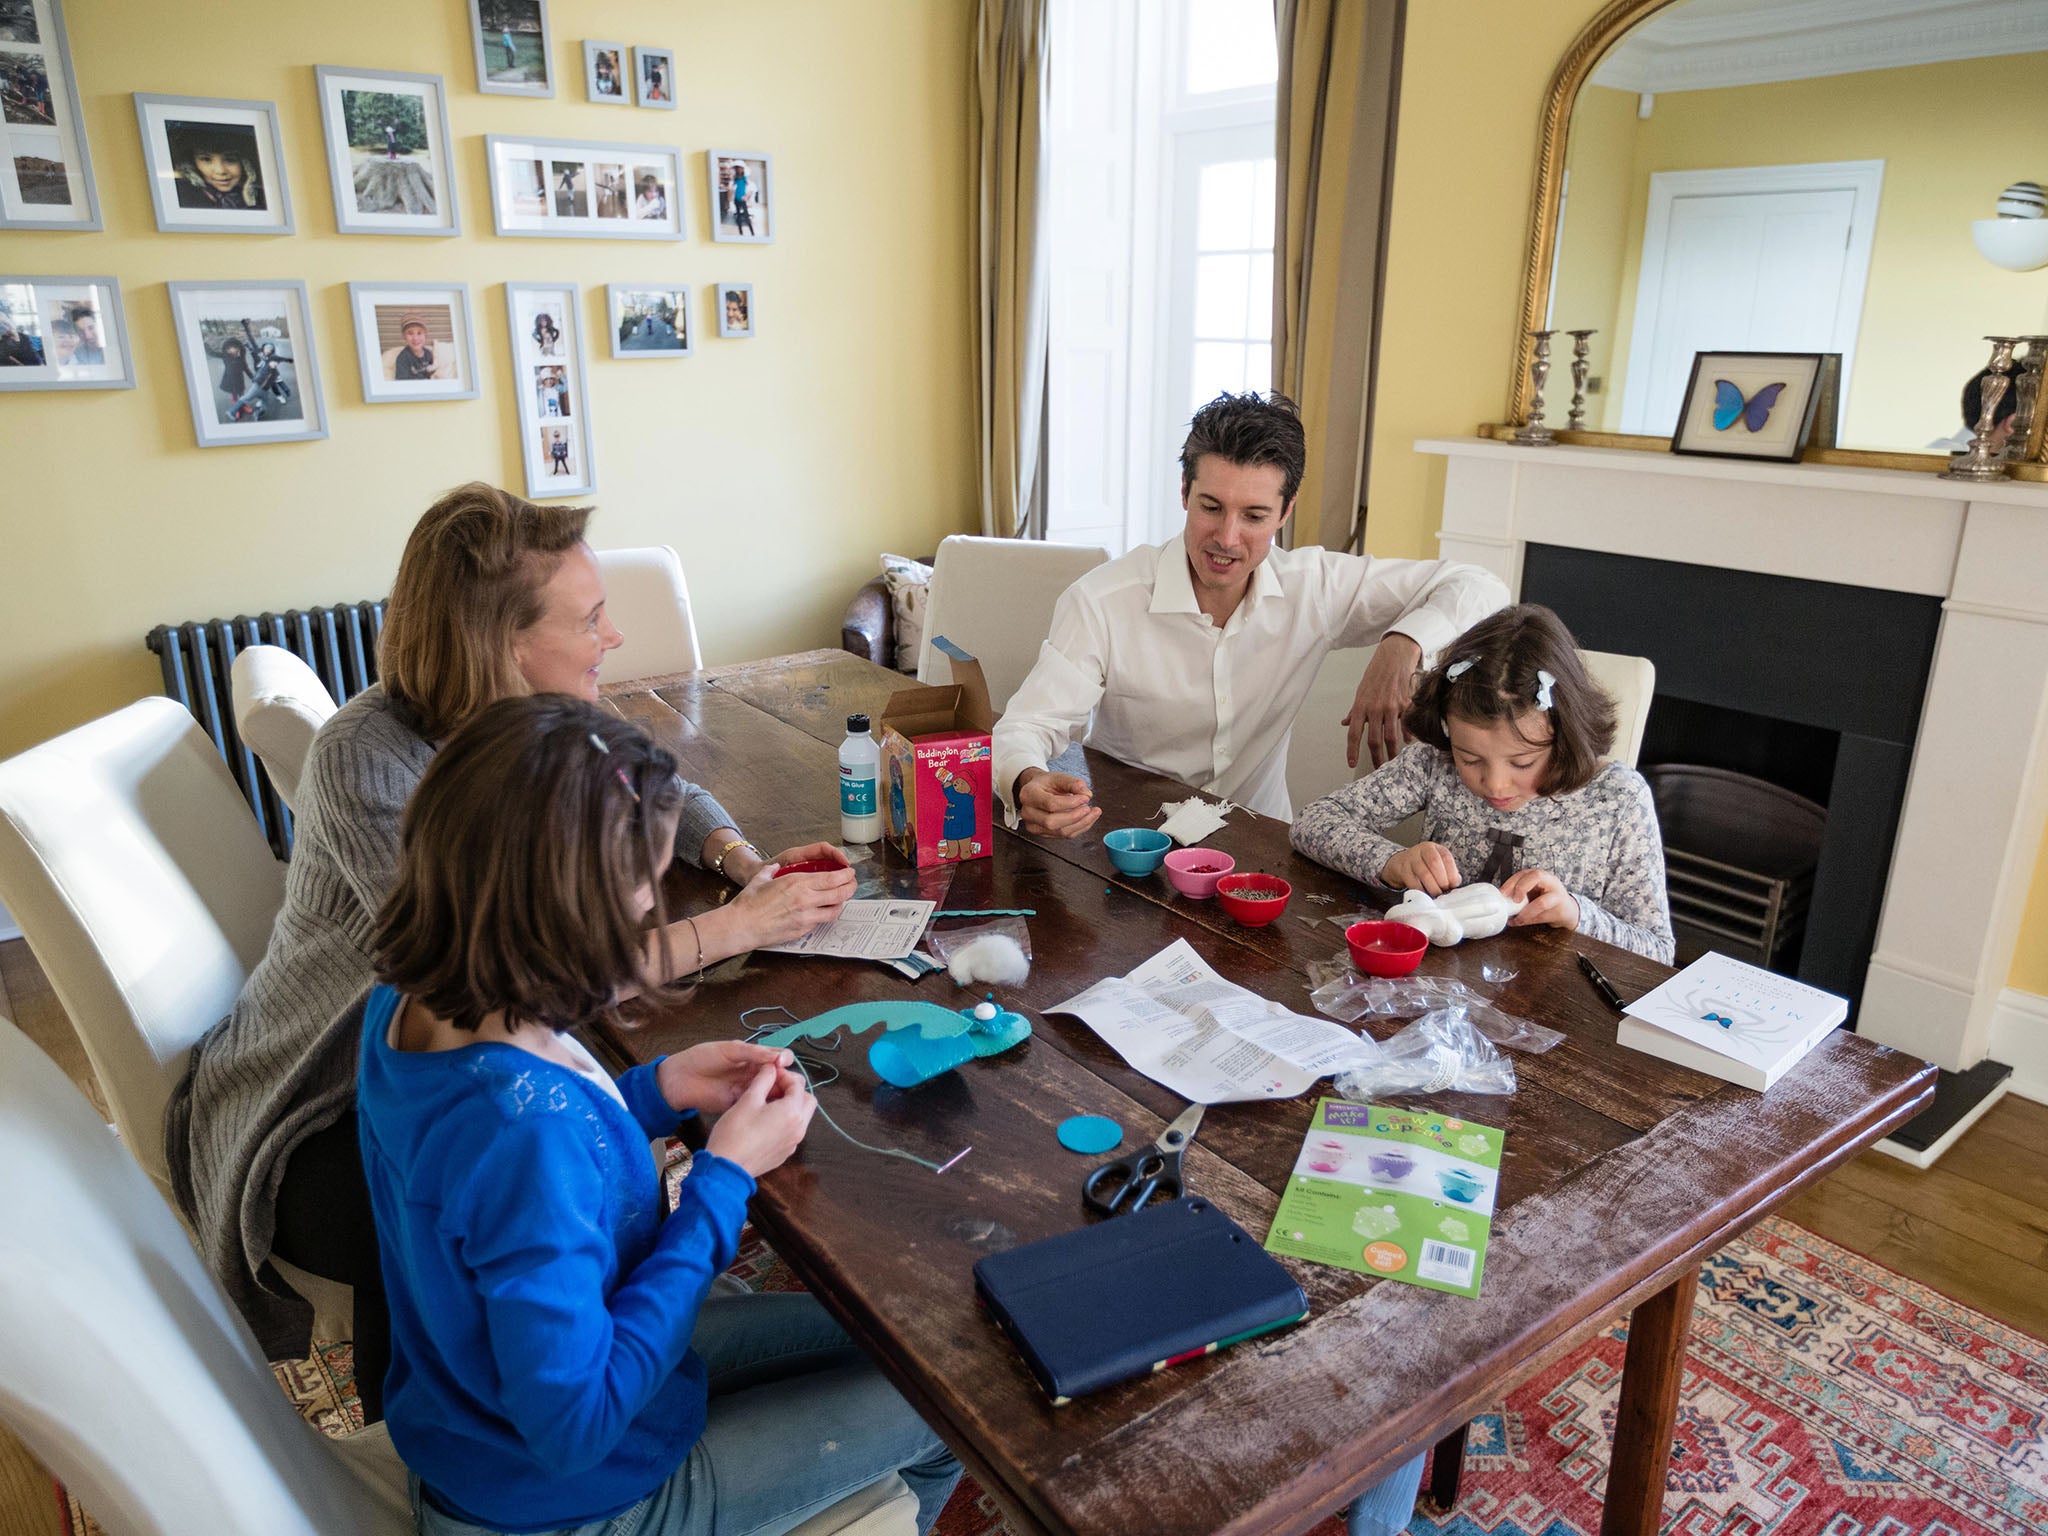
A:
x: 2019, y: 1038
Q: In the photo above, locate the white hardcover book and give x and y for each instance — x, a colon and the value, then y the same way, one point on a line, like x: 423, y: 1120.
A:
x: 1732, y: 1020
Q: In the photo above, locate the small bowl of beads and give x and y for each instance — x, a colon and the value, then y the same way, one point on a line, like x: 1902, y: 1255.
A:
x: 1254, y: 900
x: 1137, y: 850
x: 1386, y: 949
x: 1194, y: 871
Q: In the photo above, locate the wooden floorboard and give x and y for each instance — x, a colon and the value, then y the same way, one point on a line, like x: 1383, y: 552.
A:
x: 1974, y: 1226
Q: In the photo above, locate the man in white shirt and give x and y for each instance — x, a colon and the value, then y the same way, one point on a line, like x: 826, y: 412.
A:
x: 1195, y: 656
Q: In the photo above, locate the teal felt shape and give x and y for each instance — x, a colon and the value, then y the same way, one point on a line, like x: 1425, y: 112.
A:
x: 921, y: 1041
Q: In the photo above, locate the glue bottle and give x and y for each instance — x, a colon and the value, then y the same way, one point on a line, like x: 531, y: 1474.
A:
x: 860, y: 766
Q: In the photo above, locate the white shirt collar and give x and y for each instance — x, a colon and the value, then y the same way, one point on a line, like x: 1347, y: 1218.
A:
x: 1173, y: 587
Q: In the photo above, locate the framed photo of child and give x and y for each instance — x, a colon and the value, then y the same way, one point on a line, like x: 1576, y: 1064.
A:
x: 585, y: 189
x: 735, y: 309
x: 654, y: 77
x: 513, y: 47
x: 63, y: 333
x: 604, y: 74
x: 414, y: 341
x: 548, y: 388
x: 46, y: 179
x: 742, y: 196
x: 388, y: 152
x: 250, y: 369
x: 215, y: 167
x: 648, y: 322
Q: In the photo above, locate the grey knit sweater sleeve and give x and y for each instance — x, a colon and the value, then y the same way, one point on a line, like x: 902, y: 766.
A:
x: 1342, y: 830
x: 282, y: 1065
x: 1630, y: 907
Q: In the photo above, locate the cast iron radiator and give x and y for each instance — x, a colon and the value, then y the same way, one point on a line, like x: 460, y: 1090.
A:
x: 339, y: 643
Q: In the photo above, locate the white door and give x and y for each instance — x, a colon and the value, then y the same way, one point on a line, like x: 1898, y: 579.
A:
x: 1770, y: 259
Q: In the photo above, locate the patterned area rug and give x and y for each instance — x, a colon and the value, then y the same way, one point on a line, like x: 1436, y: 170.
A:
x: 1824, y: 1395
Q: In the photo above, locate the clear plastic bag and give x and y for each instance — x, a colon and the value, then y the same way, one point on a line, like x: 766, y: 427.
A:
x: 943, y: 942
x: 1341, y: 993
x: 1441, y: 1052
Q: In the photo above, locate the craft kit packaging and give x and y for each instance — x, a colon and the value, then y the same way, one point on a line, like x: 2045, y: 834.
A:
x: 937, y: 771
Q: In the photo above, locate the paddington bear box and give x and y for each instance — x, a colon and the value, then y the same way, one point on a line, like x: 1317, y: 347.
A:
x: 937, y: 771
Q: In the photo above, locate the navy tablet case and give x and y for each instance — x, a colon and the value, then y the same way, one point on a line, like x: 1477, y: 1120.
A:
x: 1135, y: 1294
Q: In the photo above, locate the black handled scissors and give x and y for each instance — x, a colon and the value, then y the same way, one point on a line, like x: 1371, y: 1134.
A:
x: 1128, y: 1183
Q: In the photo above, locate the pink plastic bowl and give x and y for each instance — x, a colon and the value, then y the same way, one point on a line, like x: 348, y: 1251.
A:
x: 811, y: 867
x: 1386, y: 949
x: 1254, y: 900
x: 1195, y: 871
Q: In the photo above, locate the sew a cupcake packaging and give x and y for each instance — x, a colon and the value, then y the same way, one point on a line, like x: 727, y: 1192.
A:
x: 1397, y: 1192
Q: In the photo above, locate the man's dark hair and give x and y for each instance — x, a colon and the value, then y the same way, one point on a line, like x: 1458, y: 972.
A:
x: 1248, y: 429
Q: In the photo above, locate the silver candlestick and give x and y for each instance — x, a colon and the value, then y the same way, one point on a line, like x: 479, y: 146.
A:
x: 1576, y: 421
x: 1532, y: 432
x: 1981, y: 461
x: 2026, y: 386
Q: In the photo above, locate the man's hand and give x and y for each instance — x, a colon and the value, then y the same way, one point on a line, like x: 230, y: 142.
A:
x: 1427, y: 867
x: 1055, y: 804
x: 1382, y: 699
x: 712, y: 1076
x: 1548, y: 900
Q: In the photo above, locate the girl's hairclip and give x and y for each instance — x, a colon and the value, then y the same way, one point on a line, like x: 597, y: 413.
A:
x: 1544, y: 683
x: 597, y: 741
x: 1456, y: 670
x: 628, y: 784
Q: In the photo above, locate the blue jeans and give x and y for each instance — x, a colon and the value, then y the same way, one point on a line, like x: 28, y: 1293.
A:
x: 799, y: 1419
x: 1384, y: 1509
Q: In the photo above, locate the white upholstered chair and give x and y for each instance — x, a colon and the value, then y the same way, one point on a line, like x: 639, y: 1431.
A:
x: 145, y: 891
x: 994, y: 598
x: 280, y: 703
x: 1630, y: 681
x: 648, y: 599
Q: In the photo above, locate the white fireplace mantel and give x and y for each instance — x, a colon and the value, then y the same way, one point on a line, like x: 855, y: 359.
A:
x: 1977, y: 795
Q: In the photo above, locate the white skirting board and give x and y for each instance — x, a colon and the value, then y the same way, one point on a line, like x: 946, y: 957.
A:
x: 2019, y: 1037
x: 1932, y: 1154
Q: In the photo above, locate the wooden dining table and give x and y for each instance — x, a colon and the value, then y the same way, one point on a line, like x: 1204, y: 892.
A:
x: 1621, y: 1172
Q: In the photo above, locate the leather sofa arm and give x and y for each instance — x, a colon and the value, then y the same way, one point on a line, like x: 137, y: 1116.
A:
x: 869, y: 627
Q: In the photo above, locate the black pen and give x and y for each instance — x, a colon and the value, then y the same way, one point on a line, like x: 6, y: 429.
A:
x: 1606, y: 987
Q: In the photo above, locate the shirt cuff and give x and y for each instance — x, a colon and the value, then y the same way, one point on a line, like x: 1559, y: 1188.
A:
x: 1431, y: 631
x: 1007, y: 767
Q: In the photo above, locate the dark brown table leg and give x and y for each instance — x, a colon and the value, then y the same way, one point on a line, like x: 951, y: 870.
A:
x: 1446, y: 1466
x: 1657, y: 1335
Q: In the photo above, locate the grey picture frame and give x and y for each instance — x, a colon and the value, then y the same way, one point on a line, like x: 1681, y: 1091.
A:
x: 208, y: 432
x: 334, y: 145
x: 376, y: 390
x: 746, y: 332
x: 667, y: 56
x: 712, y: 157
x: 25, y: 379
x: 58, y: 46
x: 615, y: 293
x: 622, y: 56
x: 523, y: 359
x: 676, y: 228
x: 489, y: 87
x: 174, y: 220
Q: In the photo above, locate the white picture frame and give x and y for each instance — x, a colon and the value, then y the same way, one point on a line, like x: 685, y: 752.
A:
x: 46, y: 179
x: 748, y: 219
x: 234, y: 404
x: 548, y: 388
x: 511, y: 38
x: 558, y: 189
x: 29, y: 310
x: 736, y: 322
x: 650, y: 89
x: 215, y: 166
x: 649, y: 320
x: 399, y: 368
x: 378, y: 186
x: 605, y: 70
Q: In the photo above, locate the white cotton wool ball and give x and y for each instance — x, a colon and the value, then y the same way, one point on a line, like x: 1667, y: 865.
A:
x: 994, y: 959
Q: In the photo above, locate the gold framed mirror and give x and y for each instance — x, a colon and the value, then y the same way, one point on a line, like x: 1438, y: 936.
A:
x: 1718, y: 89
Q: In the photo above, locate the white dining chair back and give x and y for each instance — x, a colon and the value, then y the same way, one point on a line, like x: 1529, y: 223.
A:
x: 649, y: 601
x: 1630, y: 681
x: 994, y: 599
x: 146, y: 894
x: 280, y: 703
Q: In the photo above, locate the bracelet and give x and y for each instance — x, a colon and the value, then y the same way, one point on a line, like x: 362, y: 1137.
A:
x: 697, y: 939
x: 718, y: 864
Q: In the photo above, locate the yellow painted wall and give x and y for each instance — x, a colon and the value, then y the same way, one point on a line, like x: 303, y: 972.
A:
x: 1930, y: 295
x: 1464, y: 171
x: 778, y: 465
x: 1591, y: 241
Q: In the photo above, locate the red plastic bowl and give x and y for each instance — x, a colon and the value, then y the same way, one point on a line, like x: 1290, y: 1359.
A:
x: 1386, y: 949
x: 1254, y: 900
x: 810, y: 867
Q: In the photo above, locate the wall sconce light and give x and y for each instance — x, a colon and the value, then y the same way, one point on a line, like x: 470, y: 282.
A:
x: 2017, y: 239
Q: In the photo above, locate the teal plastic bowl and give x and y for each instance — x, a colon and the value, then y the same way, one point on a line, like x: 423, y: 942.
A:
x: 1137, y: 850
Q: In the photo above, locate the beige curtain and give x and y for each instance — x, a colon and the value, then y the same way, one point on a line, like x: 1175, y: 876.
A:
x: 1340, y: 67
x: 1008, y: 122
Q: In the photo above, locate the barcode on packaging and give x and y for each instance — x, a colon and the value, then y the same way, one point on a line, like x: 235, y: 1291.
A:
x: 1445, y: 1262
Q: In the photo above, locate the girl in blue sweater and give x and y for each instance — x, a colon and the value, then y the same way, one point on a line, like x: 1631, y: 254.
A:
x: 557, y: 1362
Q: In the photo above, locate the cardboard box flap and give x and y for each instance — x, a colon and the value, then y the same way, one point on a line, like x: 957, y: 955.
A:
x: 961, y: 706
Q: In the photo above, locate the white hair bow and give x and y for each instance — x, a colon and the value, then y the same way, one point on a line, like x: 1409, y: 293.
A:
x: 1544, y: 683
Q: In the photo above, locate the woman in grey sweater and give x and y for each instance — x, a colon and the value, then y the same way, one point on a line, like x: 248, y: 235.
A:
x: 494, y: 596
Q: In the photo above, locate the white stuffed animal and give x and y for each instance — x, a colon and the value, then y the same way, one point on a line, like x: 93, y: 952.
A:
x: 1477, y: 911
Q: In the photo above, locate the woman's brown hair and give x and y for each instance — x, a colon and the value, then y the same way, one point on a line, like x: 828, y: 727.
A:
x: 523, y: 849
x: 1497, y: 660
x: 469, y: 580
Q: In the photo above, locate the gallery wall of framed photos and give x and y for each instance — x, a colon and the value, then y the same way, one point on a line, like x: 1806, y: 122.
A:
x: 857, y: 377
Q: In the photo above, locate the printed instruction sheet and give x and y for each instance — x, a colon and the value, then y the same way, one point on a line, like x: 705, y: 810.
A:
x: 1210, y: 1040
x: 866, y: 930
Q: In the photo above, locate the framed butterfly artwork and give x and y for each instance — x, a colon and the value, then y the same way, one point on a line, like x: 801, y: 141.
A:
x: 1751, y: 405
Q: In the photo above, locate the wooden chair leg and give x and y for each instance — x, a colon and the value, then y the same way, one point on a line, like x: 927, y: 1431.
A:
x: 1446, y: 1466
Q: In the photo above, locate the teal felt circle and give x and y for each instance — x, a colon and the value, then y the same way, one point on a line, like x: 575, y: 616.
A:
x: 1090, y: 1134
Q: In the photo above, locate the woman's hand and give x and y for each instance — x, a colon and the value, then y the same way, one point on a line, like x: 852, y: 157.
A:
x: 742, y: 864
x: 771, y: 911
x: 711, y: 1077
x: 1427, y: 867
x: 1548, y: 900
x: 767, y: 1123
